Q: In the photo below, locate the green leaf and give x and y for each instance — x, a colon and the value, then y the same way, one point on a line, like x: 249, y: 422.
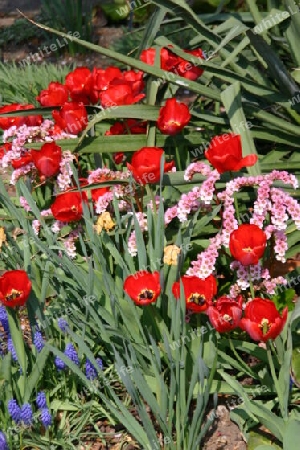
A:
x: 276, y: 68
x: 291, y: 435
x: 18, y: 341
x: 232, y: 100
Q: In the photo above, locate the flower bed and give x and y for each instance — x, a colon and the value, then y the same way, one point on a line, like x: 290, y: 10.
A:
x: 141, y: 248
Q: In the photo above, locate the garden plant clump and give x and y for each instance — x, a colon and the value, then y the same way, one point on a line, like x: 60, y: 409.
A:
x: 144, y: 248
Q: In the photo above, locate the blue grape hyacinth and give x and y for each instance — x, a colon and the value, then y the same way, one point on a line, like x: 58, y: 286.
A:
x: 38, y: 341
x: 59, y: 363
x: 14, y: 410
x: 3, y: 442
x: 71, y: 353
x: 46, y: 417
x: 41, y: 401
x: 63, y: 324
x: 90, y: 371
x: 26, y: 414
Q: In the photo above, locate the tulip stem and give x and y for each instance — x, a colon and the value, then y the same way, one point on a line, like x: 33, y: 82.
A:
x: 251, y: 284
x: 282, y: 406
x: 152, y: 196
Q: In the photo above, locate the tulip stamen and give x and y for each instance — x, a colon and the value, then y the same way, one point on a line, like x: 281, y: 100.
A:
x: 248, y: 250
x: 228, y: 319
x: 265, y: 326
x: 14, y: 294
x: 198, y: 299
x: 146, y: 294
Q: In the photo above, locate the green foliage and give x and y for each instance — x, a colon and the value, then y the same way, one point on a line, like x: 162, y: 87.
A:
x: 75, y: 16
x: 22, y: 84
x: 19, y: 32
x: 157, y: 360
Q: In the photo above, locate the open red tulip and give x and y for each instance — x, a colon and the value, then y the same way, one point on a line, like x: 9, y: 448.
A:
x: 145, y: 165
x: 173, y: 117
x: 225, y: 154
x: 262, y: 321
x: 143, y: 287
x: 198, y: 293
x: 225, y: 314
x: 79, y: 84
x: 56, y: 95
x: 47, y: 160
x: 72, y: 117
x: 247, y: 244
x: 67, y: 207
x: 15, y: 287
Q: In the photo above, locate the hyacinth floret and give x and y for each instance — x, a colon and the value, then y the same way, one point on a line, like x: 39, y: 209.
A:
x: 11, y: 348
x: 26, y: 414
x: 4, y: 319
x: 38, y: 341
x: 14, y: 410
x: 46, y: 417
x: 71, y: 353
x: 90, y: 371
x: 59, y: 363
x: 41, y: 401
x: 63, y: 324
x: 3, y: 442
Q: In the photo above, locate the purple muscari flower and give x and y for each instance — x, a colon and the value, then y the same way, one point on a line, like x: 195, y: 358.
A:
x: 4, y: 319
x: 11, y: 348
x: 71, y: 353
x: 41, y: 401
x: 63, y: 324
x: 3, y: 442
x: 26, y: 414
x: 14, y: 410
x: 38, y: 341
x: 90, y: 371
x: 60, y: 365
x: 46, y: 417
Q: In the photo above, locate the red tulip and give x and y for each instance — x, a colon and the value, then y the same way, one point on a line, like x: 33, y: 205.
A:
x: 72, y: 117
x: 7, y: 122
x: 136, y: 81
x: 15, y: 288
x: 225, y: 314
x: 247, y: 244
x: 145, y: 165
x: 173, y: 117
x: 188, y: 70
x: 198, y: 293
x: 173, y: 63
x: 168, y: 60
x: 98, y: 192
x: 262, y: 321
x: 143, y: 287
x: 67, y: 207
x: 101, y: 78
x: 4, y: 149
x: 79, y: 84
x: 225, y: 154
x: 119, y: 157
x: 22, y: 161
x: 119, y: 93
x: 31, y: 121
x: 56, y: 95
x: 47, y: 160
x: 128, y: 126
